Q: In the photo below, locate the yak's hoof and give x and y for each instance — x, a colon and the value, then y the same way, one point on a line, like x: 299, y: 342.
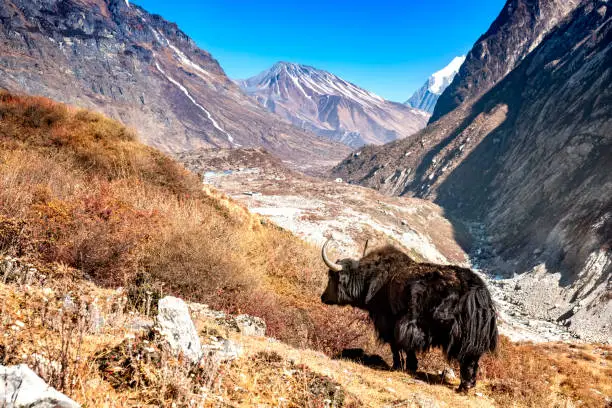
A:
x: 464, y: 387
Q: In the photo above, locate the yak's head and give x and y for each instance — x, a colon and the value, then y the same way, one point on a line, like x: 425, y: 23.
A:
x: 345, y: 284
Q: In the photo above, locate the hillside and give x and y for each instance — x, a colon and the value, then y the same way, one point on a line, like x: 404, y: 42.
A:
x: 77, y: 190
x: 331, y: 107
x: 114, y: 57
x: 530, y: 162
x: 84, y: 208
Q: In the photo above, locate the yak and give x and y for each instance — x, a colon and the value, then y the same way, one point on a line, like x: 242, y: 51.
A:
x: 416, y: 306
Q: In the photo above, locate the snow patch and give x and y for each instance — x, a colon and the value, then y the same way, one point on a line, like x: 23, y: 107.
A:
x: 181, y: 55
x: 191, y: 98
x: 442, y: 78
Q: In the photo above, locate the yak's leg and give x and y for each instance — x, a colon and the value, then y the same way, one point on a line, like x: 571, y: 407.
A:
x: 411, y: 361
x: 469, y: 369
x: 398, y: 364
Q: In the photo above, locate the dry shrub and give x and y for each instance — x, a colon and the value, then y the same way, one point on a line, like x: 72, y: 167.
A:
x: 145, y: 365
x: 12, y: 235
x: 95, y: 232
x: 340, y: 329
x: 48, y: 338
x: 93, y: 198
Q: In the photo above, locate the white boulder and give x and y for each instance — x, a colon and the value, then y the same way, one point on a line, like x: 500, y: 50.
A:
x: 175, y: 325
x: 21, y: 387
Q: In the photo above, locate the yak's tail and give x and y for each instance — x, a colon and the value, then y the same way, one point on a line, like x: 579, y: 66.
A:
x: 474, y: 330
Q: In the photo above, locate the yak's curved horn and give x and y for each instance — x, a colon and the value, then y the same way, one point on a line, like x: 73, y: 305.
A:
x: 331, y: 265
x: 365, y: 248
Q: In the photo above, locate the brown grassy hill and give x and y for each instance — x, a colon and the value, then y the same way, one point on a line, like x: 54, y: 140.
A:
x: 91, y: 208
x: 76, y: 189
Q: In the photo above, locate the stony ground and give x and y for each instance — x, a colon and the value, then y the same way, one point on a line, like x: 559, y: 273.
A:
x: 83, y: 340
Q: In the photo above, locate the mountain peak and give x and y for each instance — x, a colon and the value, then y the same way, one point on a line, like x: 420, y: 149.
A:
x: 330, y: 106
x: 442, y: 78
x: 427, y: 96
x: 292, y: 68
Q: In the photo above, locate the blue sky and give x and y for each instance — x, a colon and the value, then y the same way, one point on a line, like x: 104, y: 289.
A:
x: 387, y: 47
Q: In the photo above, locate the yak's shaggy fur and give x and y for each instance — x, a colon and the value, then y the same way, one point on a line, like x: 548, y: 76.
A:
x: 416, y: 306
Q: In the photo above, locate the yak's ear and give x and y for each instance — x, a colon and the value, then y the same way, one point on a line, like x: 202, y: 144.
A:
x: 375, y: 285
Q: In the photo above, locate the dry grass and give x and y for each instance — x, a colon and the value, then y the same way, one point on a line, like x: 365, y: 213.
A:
x: 100, y: 366
x: 107, y: 367
x: 551, y: 375
x: 76, y: 189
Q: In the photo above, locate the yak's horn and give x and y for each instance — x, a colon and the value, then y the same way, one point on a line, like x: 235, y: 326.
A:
x: 331, y: 265
x: 365, y: 248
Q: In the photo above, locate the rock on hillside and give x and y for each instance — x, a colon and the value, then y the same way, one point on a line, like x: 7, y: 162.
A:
x: 177, y: 328
x: 519, y: 28
x: 531, y: 161
x: 333, y: 108
x: 21, y: 387
x: 114, y: 57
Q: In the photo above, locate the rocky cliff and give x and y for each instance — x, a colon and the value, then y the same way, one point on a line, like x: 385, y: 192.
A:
x: 519, y: 28
x: 115, y: 57
x: 530, y: 161
x: 335, y: 109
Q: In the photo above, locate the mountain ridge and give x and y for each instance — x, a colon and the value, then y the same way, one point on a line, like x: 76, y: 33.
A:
x: 526, y: 161
x: 498, y: 51
x: 330, y: 106
x: 117, y: 58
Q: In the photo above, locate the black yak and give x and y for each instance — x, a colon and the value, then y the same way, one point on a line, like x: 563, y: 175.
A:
x: 415, y: 306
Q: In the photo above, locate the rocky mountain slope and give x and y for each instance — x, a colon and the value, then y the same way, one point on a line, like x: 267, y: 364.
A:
x: 333, y: 108
x: 530, y: 162
x: 519, y: 28
x: 114, y: 57
x: 426, y: 97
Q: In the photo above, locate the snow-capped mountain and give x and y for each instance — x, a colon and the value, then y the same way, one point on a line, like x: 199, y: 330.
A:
x: 322, y: 102
x: 427, y: 96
